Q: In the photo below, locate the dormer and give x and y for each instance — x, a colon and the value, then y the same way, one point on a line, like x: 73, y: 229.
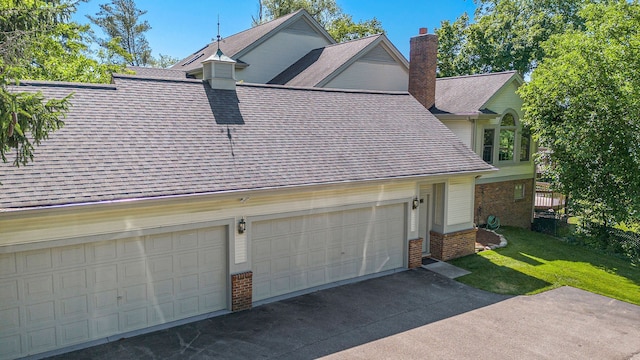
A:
x: 219, y: 71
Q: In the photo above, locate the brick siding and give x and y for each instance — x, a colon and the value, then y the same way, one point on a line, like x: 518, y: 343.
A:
x: 498, y: 199
x: 415, y: 253
x: 241, y: 291
x: 453, y: 245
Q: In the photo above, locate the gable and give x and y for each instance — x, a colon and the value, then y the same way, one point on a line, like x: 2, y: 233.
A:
x: 505, y: 99
x: 301, y: 27
x: 378, y: 54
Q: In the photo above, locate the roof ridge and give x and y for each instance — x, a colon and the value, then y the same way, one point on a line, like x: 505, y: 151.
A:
x: 65, y: 84
x: 155, y: 78
x: 352, y: 41
x: 478, y: 75
x: 328, y: 90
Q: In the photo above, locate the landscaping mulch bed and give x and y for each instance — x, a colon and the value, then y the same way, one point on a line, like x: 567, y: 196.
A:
x: 486, y: 238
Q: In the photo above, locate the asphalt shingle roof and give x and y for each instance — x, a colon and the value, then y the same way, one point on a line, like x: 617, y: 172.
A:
x: 150, y: 72
x: 231, y: 45
x: 467, y: 94
x: 318, y: 64
x: 142, y: 138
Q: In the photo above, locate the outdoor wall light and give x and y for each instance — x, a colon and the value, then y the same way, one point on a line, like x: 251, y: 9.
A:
x: 242, y: 226
x: 416, y: 203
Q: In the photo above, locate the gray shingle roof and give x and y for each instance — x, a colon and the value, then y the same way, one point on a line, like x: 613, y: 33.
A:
x: 144, y: 138
x: 233, y: 44
x: 467, y: 94
x: 318, y: 64
x: 150, y: 72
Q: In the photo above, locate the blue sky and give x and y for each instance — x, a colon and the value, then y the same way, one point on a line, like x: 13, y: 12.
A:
x: 178, y: 28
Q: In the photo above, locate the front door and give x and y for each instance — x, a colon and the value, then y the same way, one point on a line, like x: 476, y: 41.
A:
x: 424, y: 214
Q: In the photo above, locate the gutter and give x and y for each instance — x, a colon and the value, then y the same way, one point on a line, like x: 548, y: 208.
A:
x: 148, y: 200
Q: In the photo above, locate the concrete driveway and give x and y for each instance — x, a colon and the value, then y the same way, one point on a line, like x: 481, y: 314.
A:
x: 413, y: 314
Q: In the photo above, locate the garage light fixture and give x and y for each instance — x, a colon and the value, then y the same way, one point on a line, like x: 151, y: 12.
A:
x: 242, y: 226
x: 416, y: 203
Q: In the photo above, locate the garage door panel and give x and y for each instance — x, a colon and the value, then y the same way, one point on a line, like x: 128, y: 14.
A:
x: 10, y: 346
x: 261, y: 269
x: 102, y: 251
x: 131, y: 247
x: 215, y: 300
x: 281, y: 285
x: 69, y: 256
x: 187, y: 284
x: 76, y: 306
x: 10, y: 320
x: 134, y: 319
x: 261, y: 249
x: 299, y: 243
x: 158, y: 243
x: 160, y: 267
x: 105, y: 301
x: 317, y: 258
x: 186, y: 262
x: 9, y: 292
x: 104, y: 276
x: 72, y: 282
x: 280, y: 245
x: 37, y: 288
x: 41, y: 340
x: 8, y: 264
x: 106, y: 325
x: 161, y: 313
x: 299, y: 281
x: 316, y: 277
x: 134, y: 271
x: 331, y: 247
x: 299, y: 262
x: 74, y: 333
x: 185, y: 240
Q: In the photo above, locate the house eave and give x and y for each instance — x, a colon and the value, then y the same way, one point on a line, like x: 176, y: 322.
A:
x: 10, y: 212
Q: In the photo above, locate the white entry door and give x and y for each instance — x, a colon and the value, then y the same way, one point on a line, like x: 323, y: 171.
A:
x: 300, y: 252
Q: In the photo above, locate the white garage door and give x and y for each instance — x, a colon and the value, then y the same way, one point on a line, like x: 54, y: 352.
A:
x: 296, y: 253
x: 57, y: 297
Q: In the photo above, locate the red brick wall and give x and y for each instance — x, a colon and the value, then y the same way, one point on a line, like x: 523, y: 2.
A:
x: 241, y: 291
x: 498, y: 199
x: 453, y: 245
x: 422, y: 68
x: 415, y: 253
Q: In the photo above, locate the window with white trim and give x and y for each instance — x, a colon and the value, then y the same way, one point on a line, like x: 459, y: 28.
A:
x: 507, y: 142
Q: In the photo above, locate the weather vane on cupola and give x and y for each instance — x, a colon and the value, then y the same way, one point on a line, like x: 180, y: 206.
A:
x: 218, y: 37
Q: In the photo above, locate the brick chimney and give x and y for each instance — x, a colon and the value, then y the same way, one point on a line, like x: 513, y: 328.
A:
x: 423, y: 60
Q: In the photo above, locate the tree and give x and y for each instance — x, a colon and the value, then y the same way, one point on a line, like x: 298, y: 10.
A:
x: 583, y: 102
x: 344, y: 28
x: 507, y: 35
x: 164, y: 61
x: 339, y: 25
x: 37, y: 41
x: 121, y: 20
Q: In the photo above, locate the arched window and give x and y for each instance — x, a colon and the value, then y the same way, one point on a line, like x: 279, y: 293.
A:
x: 507, y: 141
x: 507, y: 137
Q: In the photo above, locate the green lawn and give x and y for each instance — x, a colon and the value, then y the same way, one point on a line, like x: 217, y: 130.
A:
x: 534, y: 262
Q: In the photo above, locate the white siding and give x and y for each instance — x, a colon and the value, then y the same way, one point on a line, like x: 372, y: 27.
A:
x: 389, y: 76
x: 276, y: 54
x: 507, y: 98
x: 462, y: 128
x: 460, y: 202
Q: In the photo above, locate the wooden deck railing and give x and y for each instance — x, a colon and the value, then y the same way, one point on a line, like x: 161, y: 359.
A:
x: 548, y: 199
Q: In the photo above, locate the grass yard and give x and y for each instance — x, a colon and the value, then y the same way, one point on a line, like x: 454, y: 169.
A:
x: 534, y: 262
